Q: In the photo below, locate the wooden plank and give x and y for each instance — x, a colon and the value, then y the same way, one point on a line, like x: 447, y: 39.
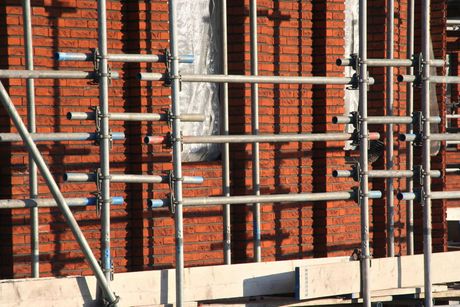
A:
x: 453, y: 214
x: 158, y: 287
x: 385, y: 273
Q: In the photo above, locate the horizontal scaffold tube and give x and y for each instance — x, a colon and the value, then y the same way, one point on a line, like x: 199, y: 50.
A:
x: 383, y: 120
x: 51, y: 74
x: 433, y: 79
x: 388, y: 62
x: 59, y: 136
x: 136, y: 116
x: 410, y: 137
x: 51, y: 203
x: 253, y: 79
x: 133, y: 58
x: 83, y: 177
x: 268, y: 138
x: 383, y: 173
x: 274, y: 198
x: 434, y: 195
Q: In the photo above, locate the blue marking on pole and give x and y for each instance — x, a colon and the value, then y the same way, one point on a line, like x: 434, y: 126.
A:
x: 117, y: 200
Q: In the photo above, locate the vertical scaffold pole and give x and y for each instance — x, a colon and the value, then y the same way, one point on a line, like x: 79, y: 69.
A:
x: 104, y: 139
x: 33, y: 181
x: 255, y: 130
x: 177, y: 151
x: 364, y: 144
x: 410, y: 128
x: 389, y: 132
x: 426, y: 194
x: 225, y: 147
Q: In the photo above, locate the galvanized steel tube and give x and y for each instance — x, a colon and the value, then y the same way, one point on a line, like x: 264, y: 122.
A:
x: 33, y: 180
x: 445, y: 79
x: 58, y: 136
x: 383, y: 120
x: 426, y: 157
x: 272, y: 138
x: 51, y: 202
x: 406, y: 137
x: 70, y: 219
x: 177, y: 152
x: 390, y: 62
x: 255, y: 130
x: 410, y: 127
x: 253, y: 79
x: 225, y: 130
x: 104, y: 140
x: 136, y: 116
x: 364, y: 143
x: 389, y: 130
x: 274, y: 198
x: 382, y: 173
x: 128, y: 178
x: 433, y: 79
x: 50, y: 74
x: 114, y: 57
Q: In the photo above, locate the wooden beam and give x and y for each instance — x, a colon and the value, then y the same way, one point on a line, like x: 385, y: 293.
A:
x: 337, y: 275
x: 386, y: 273
x: 158, y: 287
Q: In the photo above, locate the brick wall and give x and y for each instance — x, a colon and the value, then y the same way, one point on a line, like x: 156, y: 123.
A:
x: 295, y: 38
x: 453, y: 157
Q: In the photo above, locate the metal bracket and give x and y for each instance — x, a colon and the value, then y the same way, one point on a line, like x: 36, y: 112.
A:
x: 171, y: 117
x: 356, y: 255
x: 422, y: 195
x: 98, y: 193
x: 168, y: 81
x: 419, y: 174
x: 172, y: 203
x: 97, y: 67
x: 418, y: 63
x: 169, y: 76
x: 356, y: 172
x: 418, y: 120
x: 111, y: 269
x: 357, y: 193
x: 170, y: 139
x: 114, y: 303
x: 98, y: 118
x: 355, y: 78
x: 356, y: 121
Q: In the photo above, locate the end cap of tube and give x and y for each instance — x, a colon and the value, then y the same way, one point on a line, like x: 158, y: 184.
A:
x: 375, y: 194
x: 118, y: 136
x: 157, y: 203
x: 187, y: 59
x: 405, y: 196
x: 197, y: 179
x: 154, y: 139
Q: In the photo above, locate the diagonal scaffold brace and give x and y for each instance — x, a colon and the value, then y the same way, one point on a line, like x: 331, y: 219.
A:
x: 7, y: 103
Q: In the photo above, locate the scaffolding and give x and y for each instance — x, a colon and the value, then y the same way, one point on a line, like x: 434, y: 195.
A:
x: 418, y: 131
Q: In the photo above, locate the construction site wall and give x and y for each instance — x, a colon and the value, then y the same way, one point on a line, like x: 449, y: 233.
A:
x: 295, y: 38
